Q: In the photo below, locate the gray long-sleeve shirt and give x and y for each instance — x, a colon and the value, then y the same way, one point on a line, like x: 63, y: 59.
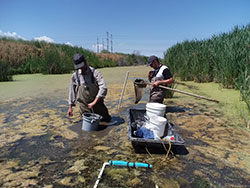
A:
x: 102, y: 92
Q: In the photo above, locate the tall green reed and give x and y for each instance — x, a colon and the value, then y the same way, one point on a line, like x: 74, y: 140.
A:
x: 6, y: 72
x: 223, y: 58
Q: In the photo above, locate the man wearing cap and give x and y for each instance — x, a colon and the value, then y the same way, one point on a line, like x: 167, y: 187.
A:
x: 160, y: 76
x: 88, y: 89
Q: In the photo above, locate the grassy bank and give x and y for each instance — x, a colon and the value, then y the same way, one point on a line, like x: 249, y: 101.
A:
x: 234, y: 110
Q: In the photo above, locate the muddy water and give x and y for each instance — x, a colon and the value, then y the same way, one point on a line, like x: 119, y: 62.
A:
x: 41, y: 147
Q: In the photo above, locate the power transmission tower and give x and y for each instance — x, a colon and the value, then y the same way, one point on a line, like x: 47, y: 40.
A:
x: 107, y: 41
x: 111, y: 44
x: 102, y: 44
x: 97, y: 45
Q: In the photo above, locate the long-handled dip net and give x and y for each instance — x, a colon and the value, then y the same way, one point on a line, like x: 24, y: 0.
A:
x: 139, y: 86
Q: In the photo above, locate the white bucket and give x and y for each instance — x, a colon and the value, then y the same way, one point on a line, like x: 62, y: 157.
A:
x: 155, y: 109
x: 157, y: 125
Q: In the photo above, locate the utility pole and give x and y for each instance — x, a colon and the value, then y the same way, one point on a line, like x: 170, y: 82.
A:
x: 107, y: 41
x: 97, y: 45
x: 111, y: 44
x: 102, y: 44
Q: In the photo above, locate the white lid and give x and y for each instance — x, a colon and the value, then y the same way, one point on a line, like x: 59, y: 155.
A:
x: 155, y: 105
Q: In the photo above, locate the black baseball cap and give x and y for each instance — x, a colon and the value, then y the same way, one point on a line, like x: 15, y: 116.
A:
x: 79, y: 61
x: 151, y: 59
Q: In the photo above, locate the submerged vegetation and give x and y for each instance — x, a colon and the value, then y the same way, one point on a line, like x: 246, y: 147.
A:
x: 224, y: 59
x: 42, y: 147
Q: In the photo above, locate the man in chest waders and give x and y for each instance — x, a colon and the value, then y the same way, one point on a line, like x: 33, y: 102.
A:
x: 88, y: 89
x: 160, y: 76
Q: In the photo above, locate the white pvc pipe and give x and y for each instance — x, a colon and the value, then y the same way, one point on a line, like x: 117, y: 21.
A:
x: 100, y: 174
x: 123, y: 89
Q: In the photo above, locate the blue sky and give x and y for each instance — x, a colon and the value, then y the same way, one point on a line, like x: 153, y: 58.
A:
x: 141, y: 26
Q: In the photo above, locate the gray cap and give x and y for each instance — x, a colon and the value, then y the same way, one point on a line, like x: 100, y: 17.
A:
x: 151, y: 59
x: 79, y: 61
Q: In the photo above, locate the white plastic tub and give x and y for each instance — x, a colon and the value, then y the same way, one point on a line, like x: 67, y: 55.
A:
x: 155, y: 109
x: 157, y: 125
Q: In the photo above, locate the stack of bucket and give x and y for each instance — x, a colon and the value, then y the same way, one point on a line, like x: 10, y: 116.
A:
x: 157, y: 122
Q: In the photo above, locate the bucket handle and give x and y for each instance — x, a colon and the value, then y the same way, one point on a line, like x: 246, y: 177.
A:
x: 96, y: 119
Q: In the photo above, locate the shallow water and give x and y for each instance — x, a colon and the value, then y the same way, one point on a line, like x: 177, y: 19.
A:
x: 41, y: 147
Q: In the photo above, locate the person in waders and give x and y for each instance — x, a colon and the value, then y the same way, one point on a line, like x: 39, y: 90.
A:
x: 88, y: 89
x: 160, y: 76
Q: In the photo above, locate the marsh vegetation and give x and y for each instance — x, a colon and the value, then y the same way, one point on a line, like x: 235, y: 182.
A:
x: 41, y: 147
x: 223, y: 58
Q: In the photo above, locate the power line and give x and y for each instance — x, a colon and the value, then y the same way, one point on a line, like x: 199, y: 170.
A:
x: 107, y: 41
x: 102, y: 44
x: 111, y: 44
x: 97, y: 45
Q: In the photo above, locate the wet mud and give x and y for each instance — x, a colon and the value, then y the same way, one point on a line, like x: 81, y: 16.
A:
x: 41, y: 147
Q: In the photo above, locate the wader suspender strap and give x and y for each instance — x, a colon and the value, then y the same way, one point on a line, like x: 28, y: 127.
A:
x: 156, y: 72
x: 92, y: 77
x: 77, y: 86
x: 78, y: 80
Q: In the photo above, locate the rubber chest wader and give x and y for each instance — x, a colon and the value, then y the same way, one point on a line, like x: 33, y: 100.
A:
x: 86, y: 94
x: 157, y: 94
